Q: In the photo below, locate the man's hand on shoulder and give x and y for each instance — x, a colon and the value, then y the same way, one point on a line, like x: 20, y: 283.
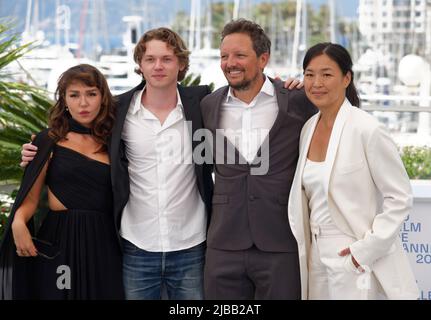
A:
x: 292, y: 83
x: 28, y: 153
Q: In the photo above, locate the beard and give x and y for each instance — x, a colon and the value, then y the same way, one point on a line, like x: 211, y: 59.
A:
x: 243, y: 85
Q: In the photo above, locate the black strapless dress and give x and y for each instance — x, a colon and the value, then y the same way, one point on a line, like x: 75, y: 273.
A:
x: 80, y: 256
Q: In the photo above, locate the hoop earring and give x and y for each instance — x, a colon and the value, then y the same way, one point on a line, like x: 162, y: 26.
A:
x: 67, y: 109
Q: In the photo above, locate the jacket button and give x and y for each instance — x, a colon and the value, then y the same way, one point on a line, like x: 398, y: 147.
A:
x: 252, y: 198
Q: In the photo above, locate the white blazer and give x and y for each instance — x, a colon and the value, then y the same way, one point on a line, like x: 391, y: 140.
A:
x: 369, y: 196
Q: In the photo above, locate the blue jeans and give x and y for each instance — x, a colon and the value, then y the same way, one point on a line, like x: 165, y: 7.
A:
x: 146, y: 273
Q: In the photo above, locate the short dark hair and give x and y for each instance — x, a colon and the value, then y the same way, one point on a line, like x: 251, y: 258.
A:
x: 58, y: 115
x: 342, y: 58
x: 261, y: 42
x: 172, y: 39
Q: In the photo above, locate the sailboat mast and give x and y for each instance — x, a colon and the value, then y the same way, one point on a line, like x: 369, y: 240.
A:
x: 82, y: 22
x: 28, y: 17
x: 304, y: 26
x: 235, y: 10
x: 295, y: 47
x: 332, y: 21
x: 35, y: 22
x: 57, y: 23
x: 208, y: 27
x: 192, y: 24
x: 198, y: 25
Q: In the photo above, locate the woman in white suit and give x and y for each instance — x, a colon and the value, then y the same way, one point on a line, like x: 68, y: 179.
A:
x: 350, y: 194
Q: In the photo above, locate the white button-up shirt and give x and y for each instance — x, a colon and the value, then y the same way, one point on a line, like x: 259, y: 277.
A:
x: 246, y: 126
x: 165, y: 211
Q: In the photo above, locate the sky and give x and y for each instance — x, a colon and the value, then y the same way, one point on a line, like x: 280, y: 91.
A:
x: 344, y: 7
x: 347, y: 8
x: 162, y: 12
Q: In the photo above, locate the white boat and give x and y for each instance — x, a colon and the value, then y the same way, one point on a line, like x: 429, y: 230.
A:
x: 119, y: 70
x: 43, y: 64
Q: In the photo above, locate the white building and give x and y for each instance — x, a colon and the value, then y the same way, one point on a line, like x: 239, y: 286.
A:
x: 396, y: 27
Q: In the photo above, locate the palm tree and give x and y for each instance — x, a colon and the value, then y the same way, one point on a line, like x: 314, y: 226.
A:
x: 194, y: 80
x: 23, y: 108
x: 23, y: 111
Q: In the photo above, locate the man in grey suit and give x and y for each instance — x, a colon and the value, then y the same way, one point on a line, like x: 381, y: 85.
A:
x: 251, y: 251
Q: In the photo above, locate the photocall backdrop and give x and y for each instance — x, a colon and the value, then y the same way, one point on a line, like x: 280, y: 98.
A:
x: 415, y: 235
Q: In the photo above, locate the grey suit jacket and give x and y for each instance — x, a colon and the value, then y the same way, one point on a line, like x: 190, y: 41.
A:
x: 251, y: 209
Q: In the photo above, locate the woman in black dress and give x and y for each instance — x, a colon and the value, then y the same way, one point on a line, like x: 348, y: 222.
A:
x: 75, y: 253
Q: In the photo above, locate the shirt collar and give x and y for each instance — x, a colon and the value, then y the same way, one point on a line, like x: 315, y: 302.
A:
x: 138, y: 98
x: 267, y: 88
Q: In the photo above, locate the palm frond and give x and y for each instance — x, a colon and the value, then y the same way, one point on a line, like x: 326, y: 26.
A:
x: 23, y: 108
x: 193, y: 80
x: 10, y: 170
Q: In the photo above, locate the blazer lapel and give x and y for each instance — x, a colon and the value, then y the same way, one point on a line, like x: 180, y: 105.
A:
x: 191, y: 106
x: 303, y: 152
x: 123, y: 104
x: 297, y: 183
x: 282, y: 103
x: 334, y: 142
x: 282, y: 96
x: 214, y: 124
x: 296, y: 203
x: 214, y: 112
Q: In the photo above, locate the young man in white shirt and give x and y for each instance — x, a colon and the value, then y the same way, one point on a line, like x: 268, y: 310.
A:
x: 163, y: 224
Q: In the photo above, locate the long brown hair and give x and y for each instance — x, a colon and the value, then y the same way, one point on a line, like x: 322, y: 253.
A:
x: 59, y: 116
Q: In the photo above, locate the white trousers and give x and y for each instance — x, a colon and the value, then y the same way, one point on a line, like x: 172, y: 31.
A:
x: 332, y: 277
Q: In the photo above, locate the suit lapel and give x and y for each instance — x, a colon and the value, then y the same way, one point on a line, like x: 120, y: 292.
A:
x: 191, y: 106
x: 282, y: 96
x: 296, y: 203
x: 303, y: 152
x: 214, y: 113
x: 123, y: 104
x: 214, y: 124
x: 334, y: 142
